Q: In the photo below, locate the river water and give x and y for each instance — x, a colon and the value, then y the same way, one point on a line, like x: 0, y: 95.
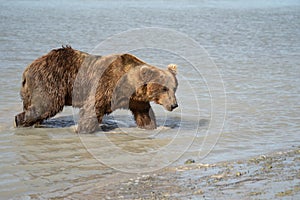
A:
x: 241, y: 99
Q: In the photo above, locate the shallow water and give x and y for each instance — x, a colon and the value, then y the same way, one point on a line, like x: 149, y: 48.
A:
x: 254, y: 45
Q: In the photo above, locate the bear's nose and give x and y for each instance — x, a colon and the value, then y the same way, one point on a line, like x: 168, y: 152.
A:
x: 174, y: 106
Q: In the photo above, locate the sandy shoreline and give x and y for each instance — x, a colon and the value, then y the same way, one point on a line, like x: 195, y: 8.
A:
x: 272, y: 176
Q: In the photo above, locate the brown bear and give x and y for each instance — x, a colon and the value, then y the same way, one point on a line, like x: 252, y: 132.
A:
x: 97, y: 85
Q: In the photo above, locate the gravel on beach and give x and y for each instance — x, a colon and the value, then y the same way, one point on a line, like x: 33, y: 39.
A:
x: 272, y: 176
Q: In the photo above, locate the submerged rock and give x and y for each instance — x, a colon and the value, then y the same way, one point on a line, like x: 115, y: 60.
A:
x: 189, y: 161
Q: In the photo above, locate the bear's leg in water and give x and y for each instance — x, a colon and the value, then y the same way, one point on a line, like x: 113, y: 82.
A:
x: 88, y: 121
x: 39, y: 110
x: 143, y: 115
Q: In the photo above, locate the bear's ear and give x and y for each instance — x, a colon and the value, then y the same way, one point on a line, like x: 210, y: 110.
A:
x: 147, y: 73
x: 172, y: 68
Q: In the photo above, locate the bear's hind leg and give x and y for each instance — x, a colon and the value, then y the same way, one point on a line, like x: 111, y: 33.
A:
x: 19, y: 119
x: 39, y: 110
x: 31, y: 117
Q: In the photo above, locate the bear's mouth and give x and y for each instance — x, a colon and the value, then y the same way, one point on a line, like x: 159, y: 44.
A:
x: 170, y: 107
x: 167, y: 107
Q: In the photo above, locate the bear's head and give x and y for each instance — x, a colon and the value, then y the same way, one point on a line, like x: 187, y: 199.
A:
x: 159, y: 85
x: 144, y: 83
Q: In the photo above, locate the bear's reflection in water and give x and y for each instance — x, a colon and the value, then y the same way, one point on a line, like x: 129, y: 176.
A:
x: 112, y: 122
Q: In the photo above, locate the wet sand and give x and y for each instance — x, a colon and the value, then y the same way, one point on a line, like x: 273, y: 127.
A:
x: 272, y: 176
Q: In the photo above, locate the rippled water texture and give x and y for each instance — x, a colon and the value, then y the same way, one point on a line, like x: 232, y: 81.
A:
x: 254, y: 44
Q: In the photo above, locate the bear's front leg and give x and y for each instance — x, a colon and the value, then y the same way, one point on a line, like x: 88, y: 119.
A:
x: 143, y: 115
x: 88, y: 122
x: 86, y: 125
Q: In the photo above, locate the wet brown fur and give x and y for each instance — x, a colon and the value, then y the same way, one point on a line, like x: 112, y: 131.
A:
x: 51, y: 82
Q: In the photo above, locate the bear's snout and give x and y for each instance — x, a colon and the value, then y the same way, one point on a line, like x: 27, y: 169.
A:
x: 174, y: 106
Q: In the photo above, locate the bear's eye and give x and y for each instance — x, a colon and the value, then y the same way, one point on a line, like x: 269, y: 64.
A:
x: 165, y: 89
